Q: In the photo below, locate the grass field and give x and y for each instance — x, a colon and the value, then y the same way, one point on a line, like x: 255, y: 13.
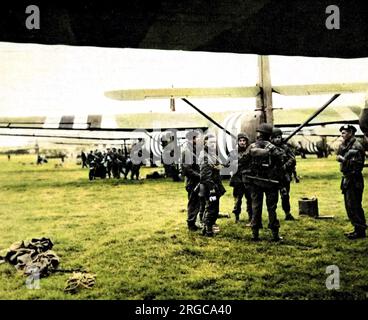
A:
x: 133, y: 236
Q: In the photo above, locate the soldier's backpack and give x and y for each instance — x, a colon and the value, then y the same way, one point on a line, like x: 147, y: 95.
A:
x: 32, y: 256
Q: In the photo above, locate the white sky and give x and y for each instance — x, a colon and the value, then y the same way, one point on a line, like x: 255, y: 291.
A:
x: 57, y: 80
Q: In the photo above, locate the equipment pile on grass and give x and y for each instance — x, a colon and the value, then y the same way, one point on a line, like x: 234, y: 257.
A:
x: 80, y: 280
x: 36, y: 258
x: 32, y: 257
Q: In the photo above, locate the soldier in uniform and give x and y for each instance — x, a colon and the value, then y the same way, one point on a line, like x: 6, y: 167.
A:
x: 237, y: 162
x: 190, y: 169
x: 351, y: 156
x: 84, y: 160
x: 135, y: 167
x: 172, y: 168
x: 289, y: 164
x: 211, y: 188
x: 264, y: 162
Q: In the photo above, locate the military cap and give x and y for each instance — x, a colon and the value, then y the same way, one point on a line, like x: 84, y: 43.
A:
x: 265, y: 128
x: 276, y: 132
x: 242, y: 135
x: 348, y: 127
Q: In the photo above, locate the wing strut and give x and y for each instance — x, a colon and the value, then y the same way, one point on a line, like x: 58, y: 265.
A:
x: 208, y: 118
x: 312, y: 117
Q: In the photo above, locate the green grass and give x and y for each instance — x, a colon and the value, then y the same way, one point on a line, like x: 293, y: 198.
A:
x: 133, y: 236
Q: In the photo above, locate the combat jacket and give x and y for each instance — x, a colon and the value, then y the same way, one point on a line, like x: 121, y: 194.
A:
x: 264, y: 165
x: 210, y: 177
x: 352, y: 164
x: 190, y: 167
x: 288, y: 161
x: 237, y: 164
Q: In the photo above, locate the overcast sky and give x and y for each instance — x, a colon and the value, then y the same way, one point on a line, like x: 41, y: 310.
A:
x: 44, y: 79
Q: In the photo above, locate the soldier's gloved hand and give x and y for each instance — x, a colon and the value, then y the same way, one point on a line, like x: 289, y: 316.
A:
x: 213, y: 196
x: 340, y: 158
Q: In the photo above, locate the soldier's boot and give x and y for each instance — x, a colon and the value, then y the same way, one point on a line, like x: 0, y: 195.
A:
x: 207, y: 231
x: 357, y: 234
x: 289, y: 217
x: 349, y: 233
x: 275, y: 235
x: 192, y: 227
x: 255, y: 236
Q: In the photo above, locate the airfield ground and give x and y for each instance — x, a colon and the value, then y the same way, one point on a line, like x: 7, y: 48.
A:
x: 133, y: 236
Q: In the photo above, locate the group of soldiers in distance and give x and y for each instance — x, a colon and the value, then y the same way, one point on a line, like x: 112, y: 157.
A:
x: 110, y: 163
x: 261, y: 170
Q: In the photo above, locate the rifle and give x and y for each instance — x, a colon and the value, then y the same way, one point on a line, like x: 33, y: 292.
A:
x: 261, y: 179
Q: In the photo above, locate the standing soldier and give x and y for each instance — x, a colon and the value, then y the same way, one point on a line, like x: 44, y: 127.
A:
x: 136, y: 153
x: 289, y: 164
x: 264, y: 161
x: 211, y: 188
x: 170, y: 154
x: 237, y: 161
x: 351, y: 156
x: 190, y: 169
x: 84, y: 160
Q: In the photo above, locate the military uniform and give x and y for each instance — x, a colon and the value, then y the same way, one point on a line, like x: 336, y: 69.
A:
x: 190, y: 169
x: 84, y: 160
x: 211, y: 189
x: 288, y: 163
x: 351, y: 156
x: 264, y: 173
x: 237, y: 161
